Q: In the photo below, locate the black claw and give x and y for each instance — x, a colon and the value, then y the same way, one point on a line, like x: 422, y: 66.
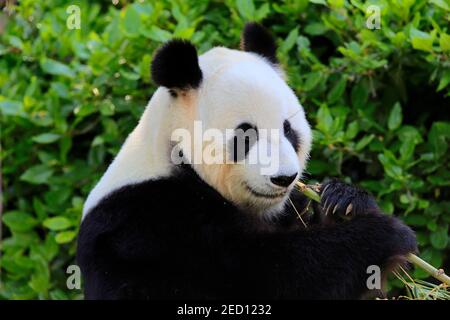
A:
x: 345, y: 200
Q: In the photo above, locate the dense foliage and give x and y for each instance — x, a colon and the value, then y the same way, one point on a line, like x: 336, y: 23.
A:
x: 378, y: 100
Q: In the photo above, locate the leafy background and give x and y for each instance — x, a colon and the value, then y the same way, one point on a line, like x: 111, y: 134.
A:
x: 378, y: 101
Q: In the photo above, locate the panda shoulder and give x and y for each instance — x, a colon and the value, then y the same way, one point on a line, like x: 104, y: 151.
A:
x: 178, y: 197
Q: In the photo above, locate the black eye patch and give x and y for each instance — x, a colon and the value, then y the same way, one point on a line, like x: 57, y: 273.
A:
x: 245, y: 136
x: 291, y: 135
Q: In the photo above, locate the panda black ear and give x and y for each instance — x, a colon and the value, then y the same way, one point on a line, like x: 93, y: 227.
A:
x: 175, y: 66
x: 255, y: 38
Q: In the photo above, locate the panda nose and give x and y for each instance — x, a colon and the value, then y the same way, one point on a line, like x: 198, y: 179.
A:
x: 283, y: 181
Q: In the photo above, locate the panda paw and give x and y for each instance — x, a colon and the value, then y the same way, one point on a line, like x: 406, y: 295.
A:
x: 340, y: 199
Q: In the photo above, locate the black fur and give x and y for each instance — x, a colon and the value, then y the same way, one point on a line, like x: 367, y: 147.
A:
x: 255, y: 38
x: 291, y: 135
x: 246, y: 135
x: 175, y: 66
x: 337, y: 196
x: 178, y: 238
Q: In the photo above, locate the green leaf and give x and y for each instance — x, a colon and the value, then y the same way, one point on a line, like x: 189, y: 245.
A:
x: 130, y: 75
x: 395, y: 117
x: 324, y: 119
x: 359, y: 95
x: 56, y: 68
x: 16, y: 42
x: 290, y: 41
x: 57, y: 223
x: 60, y: 89
x: 387, y: 207
x: 390, y: 166
x: 441, y: 4
x: 352, y: 130
x: 407, y: 149
x: 337, y: 91
x: 58, y: 295
x: 364, y: 142
x: 407, y: 132
x: 65, y: 237
x: 19, y: 221
x: 246, y: 9
x: 46, y: 138
x: 315, y: 28
x: 444, y: 42
x: 438, y: 138
x: 432, y: 225
x: 312, y: 80
x: 37, y: 174
x: 132, y: 21
x: 319, y: 2
x: 39, y: 282
x: 316, y: 166
x: 107, y: 108
x: 11, y: 108
x: 421, y: 40
x: 157, y: 34
x: 303, y: 44
x: 439, y: 238
x: 416, y: 220
x: 262, y: 12
x: 441, y: 180
x: 445, y: 80
x: 50, y: 247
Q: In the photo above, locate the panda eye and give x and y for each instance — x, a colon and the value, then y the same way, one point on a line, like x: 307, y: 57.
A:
x: 287, y: 128
x: 245, y: 136
x: 245, y: 126
x: 291, y: 135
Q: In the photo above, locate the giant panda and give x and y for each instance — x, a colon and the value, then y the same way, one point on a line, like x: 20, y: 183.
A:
x: 156, y: 228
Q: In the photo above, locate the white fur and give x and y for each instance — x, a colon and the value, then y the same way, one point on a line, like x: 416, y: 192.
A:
x: 237, y: 87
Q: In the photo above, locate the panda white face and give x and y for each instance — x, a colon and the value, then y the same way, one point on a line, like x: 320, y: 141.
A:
x: 243, y: 91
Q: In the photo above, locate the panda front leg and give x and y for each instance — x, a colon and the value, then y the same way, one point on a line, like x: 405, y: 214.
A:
x: 340, y: 200
x: 334, y: 260
x: 358, y: 238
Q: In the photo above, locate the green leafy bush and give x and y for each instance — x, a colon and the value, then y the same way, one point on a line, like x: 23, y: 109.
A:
x: 378, y: 100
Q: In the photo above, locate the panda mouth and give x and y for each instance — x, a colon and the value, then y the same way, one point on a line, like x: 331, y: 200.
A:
x: 264, y: 195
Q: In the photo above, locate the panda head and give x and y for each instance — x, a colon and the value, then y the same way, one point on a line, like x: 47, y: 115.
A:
x: 235, y: 110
